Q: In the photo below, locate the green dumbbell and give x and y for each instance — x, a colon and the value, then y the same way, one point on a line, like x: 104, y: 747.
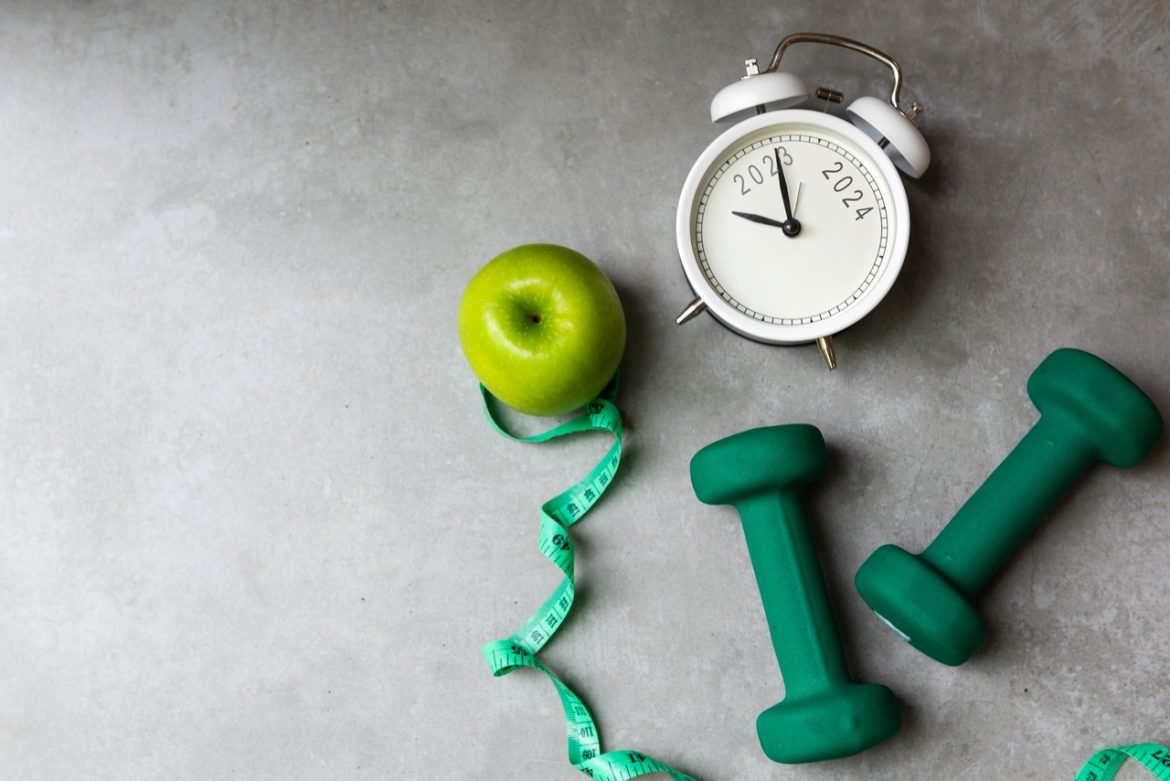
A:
x: 824, y: 714
x: 1089, y: 412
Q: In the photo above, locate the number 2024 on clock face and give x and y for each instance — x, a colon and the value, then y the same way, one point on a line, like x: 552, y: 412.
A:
x: 770, y: 284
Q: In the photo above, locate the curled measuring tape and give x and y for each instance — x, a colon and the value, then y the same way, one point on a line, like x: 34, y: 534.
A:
x: 519, y: 650
x: 1103, y: 765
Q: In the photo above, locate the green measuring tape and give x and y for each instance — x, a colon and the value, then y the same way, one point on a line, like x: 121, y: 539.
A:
x: 1103, y: 765
x: 519, y: 650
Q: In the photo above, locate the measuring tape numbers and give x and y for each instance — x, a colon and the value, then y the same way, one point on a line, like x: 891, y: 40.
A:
x: 1104, y: 765
x: 520, y: 649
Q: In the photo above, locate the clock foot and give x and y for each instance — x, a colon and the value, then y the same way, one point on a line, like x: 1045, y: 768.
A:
x: 828, y: 351
x: 694, y: 308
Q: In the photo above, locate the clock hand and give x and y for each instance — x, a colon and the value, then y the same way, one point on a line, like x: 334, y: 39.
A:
x: 791, y: 226
x: 760, y: 219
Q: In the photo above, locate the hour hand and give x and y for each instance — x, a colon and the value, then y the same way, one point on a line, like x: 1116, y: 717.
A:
x: 760, y: 219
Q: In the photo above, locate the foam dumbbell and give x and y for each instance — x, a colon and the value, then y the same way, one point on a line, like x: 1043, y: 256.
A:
x: 824, y: 714
x: 1089, y: 412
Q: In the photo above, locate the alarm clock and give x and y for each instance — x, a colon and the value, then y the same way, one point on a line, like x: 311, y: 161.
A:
x: 793, y: 224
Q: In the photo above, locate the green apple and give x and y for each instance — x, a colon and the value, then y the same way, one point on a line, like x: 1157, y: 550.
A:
x: 542, y: 328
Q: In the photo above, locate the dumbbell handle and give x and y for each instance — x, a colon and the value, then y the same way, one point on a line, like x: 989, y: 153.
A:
x: 792, y: 588
x: 1013, y: 500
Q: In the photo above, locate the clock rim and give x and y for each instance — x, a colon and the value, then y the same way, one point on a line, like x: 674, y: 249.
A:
x: 777, y: 333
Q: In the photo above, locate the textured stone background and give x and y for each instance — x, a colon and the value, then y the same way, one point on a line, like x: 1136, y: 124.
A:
x: 254, y: 525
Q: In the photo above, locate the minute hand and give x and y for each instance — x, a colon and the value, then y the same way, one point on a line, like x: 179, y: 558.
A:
x: 791, y: 225
x: 760, y: 219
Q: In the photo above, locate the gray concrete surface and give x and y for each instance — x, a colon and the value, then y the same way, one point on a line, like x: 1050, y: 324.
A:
x: 254, y: 525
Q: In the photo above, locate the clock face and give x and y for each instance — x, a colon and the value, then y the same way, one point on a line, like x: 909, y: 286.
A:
x: 851, y: 208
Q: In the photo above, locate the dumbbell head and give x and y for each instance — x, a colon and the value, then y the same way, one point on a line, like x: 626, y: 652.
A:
x: 1103, y: 406
x: 921, y: 605
x: 837, y: 722
x: 773, y: 458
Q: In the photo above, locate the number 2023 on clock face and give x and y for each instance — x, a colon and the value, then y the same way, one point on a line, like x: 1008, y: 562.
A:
x: 853, y: 226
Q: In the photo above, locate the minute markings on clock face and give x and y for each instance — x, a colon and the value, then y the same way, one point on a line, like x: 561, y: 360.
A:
x: 845, y: 235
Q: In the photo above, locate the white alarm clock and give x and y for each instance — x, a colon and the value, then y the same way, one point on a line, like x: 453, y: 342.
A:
x: 793, y: 224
